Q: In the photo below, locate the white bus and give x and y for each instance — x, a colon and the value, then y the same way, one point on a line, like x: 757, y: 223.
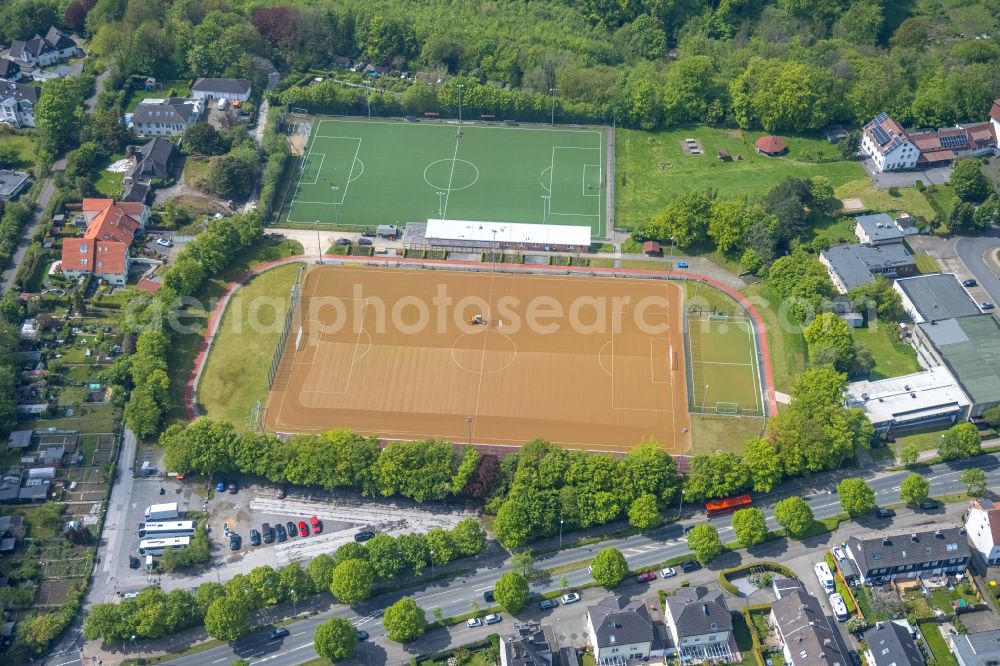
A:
x: 825, y: 577
x: 158, y: 546
x: 161, y: 530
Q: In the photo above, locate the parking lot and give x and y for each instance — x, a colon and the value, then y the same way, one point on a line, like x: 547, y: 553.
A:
x: 251, y: 506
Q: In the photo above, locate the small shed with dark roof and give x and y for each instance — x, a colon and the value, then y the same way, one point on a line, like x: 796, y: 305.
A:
x: 651, y: 249
x: 19, y: 439
x: 771, y: 146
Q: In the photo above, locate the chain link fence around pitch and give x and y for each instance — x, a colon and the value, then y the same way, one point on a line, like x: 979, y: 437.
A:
x: 257, y: 418
x: 723, y: 364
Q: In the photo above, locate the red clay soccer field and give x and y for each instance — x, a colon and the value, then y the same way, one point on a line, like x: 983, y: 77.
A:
x: 594, y: 363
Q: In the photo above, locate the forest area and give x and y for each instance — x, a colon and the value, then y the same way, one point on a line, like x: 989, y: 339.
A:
x: 787, y: 65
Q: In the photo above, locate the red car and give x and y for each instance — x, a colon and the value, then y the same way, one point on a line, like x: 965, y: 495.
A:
x: 280, y: 494
x: 317, y: 526
x: 645, y: 577
x: 303, y: 530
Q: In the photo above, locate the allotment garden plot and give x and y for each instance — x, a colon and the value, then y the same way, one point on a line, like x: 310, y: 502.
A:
x: 358, y: 172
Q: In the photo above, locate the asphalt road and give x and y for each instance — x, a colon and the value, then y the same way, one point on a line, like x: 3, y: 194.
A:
x: 974, y: 252
x: 454, y: 597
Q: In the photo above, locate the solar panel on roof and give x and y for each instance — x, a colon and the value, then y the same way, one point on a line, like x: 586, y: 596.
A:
x: 880, y: 135
x: 881, y: 117
x: 955, y: 141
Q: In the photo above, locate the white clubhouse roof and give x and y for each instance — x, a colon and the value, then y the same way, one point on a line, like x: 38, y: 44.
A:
x: 507, y: 232
x: 907, y: 398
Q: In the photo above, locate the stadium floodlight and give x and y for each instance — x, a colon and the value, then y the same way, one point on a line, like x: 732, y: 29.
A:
x: 440, y: 204
x: 553, y: 119
x: 319, y: 245
x: 545, y: 206
x: 460, y: 86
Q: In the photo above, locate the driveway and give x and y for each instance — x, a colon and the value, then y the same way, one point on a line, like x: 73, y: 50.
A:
x: 7, y: 277
x: 886, y: 179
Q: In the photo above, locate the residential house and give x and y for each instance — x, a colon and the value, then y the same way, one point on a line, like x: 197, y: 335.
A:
x: 982, y: 524
x: 17, y: 104
x: 39, y: 51
x: 877, y: 229
x: 230, y: 89
x: 803, y: 631
x: 851, y: 266
x: 152, y: 160
x: 892, y: 148
x: 978, y: 649
x: 619, y: 630
x: 890, y: 644
x: 529, y: 645
x: 700, y: 624
x: 166, y: 117
x: 10, y: 71
x: 103, y: 249
x: 910, y: 555
x: 12, y: 183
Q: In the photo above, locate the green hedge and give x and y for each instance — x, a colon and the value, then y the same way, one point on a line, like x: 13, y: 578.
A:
x: 758, y: 650
x: 726, y: 574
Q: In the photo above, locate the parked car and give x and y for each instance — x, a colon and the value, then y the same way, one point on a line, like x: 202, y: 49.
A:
x: 365, y: 241
x: 969, y: 283
x: 343, y: 241
x: 279, y: 632
x: 290, y: 526
x: 254, y: 538
x: 929, y: 504
x: 234, y: 541
x: 268, y: 533
x: 682, y: 264
x: 493, y: 618
x: 688, y: 528
x: 570, y: 598
x: 165, y: 242
x: 280, y: 493
x: 316, y: 525
x: 362, y: 635
x: 220, y: 486
x: 488, y: 596
x: 279, y: 531
x: 986, y: 305
x: 134, y: 562
x: 368, y: 234
x: 474, y: 622
x: 233, y: 488
x: 839, y: 553
x: 885, y: 513
x: 669, y: 572
x: 688, y: 566
x: 303, y: 530
x: 547, y: 604
x: 363, y: 536
x: 645, y: 577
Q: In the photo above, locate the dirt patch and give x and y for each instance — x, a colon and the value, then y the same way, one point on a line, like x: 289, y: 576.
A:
x: 598, y: 378
x: 852, y: 204
x: 54, y: 592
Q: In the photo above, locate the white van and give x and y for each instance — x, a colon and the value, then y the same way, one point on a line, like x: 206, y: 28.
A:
x: 825, y: 577
x: 839, y: 607
x: 221, y: 106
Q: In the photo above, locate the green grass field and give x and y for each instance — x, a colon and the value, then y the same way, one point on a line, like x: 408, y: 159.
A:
x: 892, y: 357
x: 909, y: 200
x: 241, y: 355
x: 396, y: 172
x: 25, y: 147
x: 176, y: 88
x: 643, y: 187
x: 724, y: 366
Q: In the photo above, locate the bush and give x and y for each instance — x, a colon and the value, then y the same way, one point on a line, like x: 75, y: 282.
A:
x: 919, y: 185
x: 894, y: 192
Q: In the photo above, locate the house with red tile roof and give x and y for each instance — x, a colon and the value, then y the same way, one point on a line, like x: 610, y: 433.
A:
x: 982, y: 524
x: 893, y: 149
x: 103, y: 249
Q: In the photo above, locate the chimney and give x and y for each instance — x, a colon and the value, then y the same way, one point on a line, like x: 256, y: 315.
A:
x: 938, y: 534
x: 704, y: 607
x: 886, y: 541
x: 913, y: 538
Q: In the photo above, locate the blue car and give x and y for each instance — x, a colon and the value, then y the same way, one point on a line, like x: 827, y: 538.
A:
x: 220, y: 486
x: 682, y: 264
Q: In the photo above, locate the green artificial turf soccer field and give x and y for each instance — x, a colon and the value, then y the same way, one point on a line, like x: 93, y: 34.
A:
x: 397, y: 172
x: 724, y: 365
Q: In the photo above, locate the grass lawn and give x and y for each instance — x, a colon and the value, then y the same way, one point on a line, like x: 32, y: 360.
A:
x: 707, y: 297
x: 90, y: 418
x: 196, y: 171
x: 926, y: 263
x: 108, y: 183
x: 935, y: 642
x: 182, y: 352
x: 909, y: 200
x: 741, y: 633
x: 175, y: 88
x: 644, y: 187
x: 788, y: 347
x: 241, y: 356
x: 711, y: 434
x: 892, y: 357
x: 924, y: 441
x: 25, y: 147
x: 840, y: 230
x: 943, y: 196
